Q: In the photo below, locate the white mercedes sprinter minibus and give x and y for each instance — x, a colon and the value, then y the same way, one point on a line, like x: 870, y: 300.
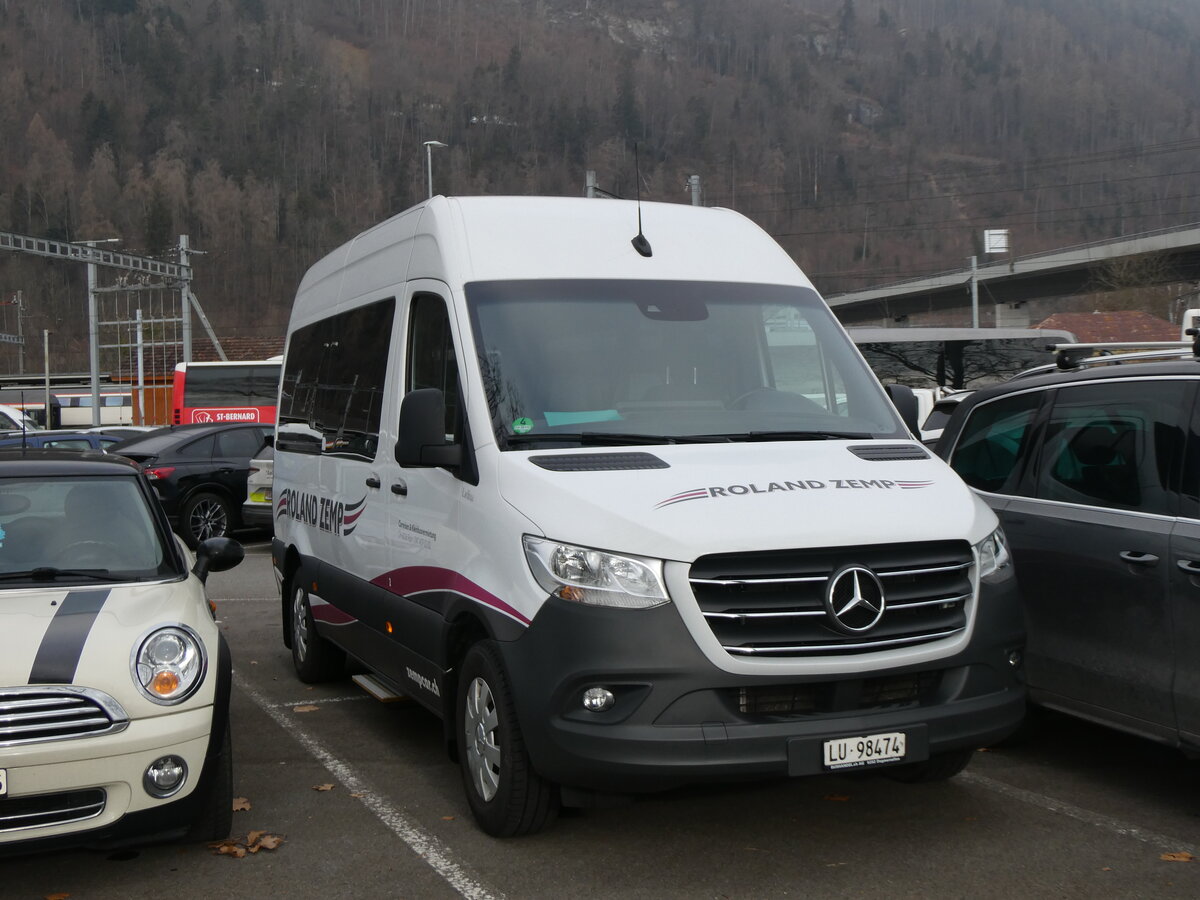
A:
x: 623, y: 505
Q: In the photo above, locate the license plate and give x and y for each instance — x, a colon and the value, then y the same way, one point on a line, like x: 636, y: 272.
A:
x: 864, y: 750
x: 3, y: 783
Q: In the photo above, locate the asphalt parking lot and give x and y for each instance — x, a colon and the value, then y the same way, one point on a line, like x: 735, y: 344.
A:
x: 364, y: 804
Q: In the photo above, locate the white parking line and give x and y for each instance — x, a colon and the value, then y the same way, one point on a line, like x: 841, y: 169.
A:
x: 425, y: 845
x: 1099, y: 820
x: 316, y: 701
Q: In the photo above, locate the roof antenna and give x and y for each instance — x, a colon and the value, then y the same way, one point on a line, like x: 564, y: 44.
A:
x: 640, y: 244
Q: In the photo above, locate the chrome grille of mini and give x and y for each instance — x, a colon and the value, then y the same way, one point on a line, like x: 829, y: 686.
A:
x: 37, y: 714
x: 772, y: 603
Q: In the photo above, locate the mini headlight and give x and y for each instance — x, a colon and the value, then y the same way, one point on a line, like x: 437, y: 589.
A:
x: 595, y: 577
x: 993, y: 556
x: 168, y: 664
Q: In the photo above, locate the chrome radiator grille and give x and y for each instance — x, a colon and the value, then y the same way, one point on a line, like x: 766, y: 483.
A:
x: 773, y: 603
x: 36, y: 714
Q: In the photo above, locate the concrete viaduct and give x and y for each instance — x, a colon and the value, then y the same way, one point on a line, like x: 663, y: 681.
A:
x: 1176, y: 254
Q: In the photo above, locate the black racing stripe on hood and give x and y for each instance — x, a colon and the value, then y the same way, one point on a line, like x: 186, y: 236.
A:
x: 62, y: 644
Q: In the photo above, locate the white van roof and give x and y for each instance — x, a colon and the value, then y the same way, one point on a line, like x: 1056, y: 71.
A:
x: 463, y: 239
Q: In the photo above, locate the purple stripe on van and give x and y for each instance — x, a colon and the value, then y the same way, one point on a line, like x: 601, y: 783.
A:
x: 421, y: 579
x: 328, y: 613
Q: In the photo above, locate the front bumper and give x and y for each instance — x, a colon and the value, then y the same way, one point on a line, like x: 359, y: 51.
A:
x: 110, y: 769
x: 679, y: 719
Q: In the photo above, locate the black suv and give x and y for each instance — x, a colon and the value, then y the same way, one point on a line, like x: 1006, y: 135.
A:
x: 1094, y: 471
x: 199, y: 472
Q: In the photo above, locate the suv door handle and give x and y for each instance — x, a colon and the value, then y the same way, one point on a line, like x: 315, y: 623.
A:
x: 373, y: 481
x: 1191, y: 566
x: 1138, y: 558
x: 400, y: 489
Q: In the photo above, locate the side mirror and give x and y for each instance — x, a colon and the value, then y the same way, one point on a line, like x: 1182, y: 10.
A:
x: 217, y: 555
x: 422, y: 440
x: 905, y: 401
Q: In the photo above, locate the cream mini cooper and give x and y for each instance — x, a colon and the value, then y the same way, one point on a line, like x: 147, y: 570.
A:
x: 114, y: 680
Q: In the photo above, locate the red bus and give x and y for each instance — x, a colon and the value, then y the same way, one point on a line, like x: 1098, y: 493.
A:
x: 242, y: 391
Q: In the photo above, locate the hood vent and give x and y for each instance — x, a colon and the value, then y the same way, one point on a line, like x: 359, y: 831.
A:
x: 888, y: 452
x: 599, y: 462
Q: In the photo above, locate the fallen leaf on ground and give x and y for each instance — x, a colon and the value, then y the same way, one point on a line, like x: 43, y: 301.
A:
x: 309, y: 708
x: 447, y: 818
x: 228, y: 847
x: 238, y: 847
x: 358, y: 794
x: 56, y: 897
x: 240, y: 804
x: 322, y: 787
x: 266, y: 842
x: 1181, y: 856
x: 839, y: 798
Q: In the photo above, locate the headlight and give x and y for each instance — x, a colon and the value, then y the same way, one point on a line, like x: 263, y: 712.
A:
x: 595, y: 577
x: 169, y: 664
x: 993, y: 556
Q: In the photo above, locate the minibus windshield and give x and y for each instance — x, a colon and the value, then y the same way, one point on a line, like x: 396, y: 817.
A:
x: 606, y: 362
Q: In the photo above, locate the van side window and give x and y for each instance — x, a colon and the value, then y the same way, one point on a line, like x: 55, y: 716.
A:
x: 993, y: 440
x: 334, y: 377
x: 1114, y: 445
x: 431, y: 359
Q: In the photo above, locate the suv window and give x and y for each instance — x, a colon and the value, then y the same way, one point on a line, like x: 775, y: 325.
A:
x: 239, y: 442
x: 1114, y: 445
x: 992, y: 442
x: 198, y: 449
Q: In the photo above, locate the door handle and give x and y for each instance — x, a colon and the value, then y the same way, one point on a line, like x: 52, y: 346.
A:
x: 400, y: 489
x: 1138, y: 558
x: 1191, y: 566
x: 373, y: 481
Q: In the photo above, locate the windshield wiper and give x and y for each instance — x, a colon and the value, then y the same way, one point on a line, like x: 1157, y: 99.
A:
x: 602, y: 438
x: 801, y: 436
x: 50, y: 573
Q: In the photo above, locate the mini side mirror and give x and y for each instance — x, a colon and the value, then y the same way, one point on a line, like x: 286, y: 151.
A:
x: 217, y: 555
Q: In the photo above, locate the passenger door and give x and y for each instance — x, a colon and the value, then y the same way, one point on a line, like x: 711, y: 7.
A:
x: 1185, y: 591
x: 231, y: 461
x: 423, y: 503
x: 1090, y: 528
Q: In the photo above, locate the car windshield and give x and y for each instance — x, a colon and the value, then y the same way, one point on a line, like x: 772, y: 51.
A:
x: 639, y: 362
x: 78, y: 530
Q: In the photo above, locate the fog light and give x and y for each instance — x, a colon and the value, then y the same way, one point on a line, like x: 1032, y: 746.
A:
x: 598, y: 699
x: 1014, y: 658
x: 165, y: 776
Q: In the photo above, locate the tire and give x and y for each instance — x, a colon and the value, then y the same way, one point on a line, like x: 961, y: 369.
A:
x: 204, y: 515
x: 214, y: 820
x: 316, y: 659
x: 506, y: 796
x: 939, y: 767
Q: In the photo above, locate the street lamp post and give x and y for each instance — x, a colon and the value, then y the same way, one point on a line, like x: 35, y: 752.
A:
x: 429, y: 145
x: 46, y: 369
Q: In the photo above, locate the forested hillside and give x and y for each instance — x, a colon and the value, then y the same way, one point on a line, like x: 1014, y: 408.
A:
x: 875, y: 138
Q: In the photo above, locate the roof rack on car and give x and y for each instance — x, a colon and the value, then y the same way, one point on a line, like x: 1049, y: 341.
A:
x: 1076, y: 356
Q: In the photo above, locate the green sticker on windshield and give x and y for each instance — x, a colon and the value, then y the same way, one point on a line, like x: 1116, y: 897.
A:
x: 522, y: 425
